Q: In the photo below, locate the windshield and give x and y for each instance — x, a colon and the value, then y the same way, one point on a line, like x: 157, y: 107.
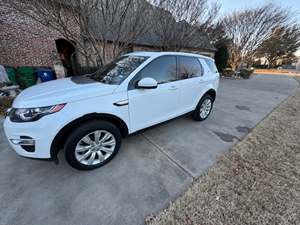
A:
x: 118, y: 70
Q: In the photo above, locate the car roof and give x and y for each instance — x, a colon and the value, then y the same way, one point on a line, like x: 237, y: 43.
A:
x: 157, y: 54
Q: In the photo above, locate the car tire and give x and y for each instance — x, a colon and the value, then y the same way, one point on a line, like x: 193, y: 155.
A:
x: 92, y: 145
x: 203, y: 108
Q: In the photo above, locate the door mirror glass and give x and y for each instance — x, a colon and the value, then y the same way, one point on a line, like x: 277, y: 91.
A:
x: 147, y: 83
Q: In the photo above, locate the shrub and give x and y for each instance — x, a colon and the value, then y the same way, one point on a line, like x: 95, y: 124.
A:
x: 5, y: 103
x: 245, y: 73
x: 228, y: 72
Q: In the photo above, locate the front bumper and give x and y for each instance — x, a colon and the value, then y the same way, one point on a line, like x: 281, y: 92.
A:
x: 32, y: 139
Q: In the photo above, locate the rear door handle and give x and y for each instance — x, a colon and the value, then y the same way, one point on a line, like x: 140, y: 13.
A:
x: 173, y: 88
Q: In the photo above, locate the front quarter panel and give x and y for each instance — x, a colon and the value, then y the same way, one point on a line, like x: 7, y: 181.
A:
x: 103, y: 105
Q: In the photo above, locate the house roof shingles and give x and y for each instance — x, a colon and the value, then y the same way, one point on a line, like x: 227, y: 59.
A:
x: 198, y: 40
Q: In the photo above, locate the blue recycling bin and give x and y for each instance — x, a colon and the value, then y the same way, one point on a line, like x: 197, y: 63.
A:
x: 45, y: 74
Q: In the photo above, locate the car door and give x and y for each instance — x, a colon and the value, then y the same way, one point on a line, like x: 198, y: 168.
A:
x: 190, y: 75
x: 151, y: 106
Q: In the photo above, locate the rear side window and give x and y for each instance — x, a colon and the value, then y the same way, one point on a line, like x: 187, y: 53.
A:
x: 211, y: 65
x: 162, y: 69
x: 189, y: 67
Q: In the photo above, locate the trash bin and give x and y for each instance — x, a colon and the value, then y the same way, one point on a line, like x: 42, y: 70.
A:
x: 45, y: 74
x: 11, y: 73
x: 26, y: 77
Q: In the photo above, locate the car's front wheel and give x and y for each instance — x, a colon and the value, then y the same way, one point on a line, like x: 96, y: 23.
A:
x: 203, y: 108
x: 92, y: 145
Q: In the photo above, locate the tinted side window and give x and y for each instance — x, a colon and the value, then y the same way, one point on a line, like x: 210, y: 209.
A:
x: 211, y: 65
x: 189, y: 67
x: 163, y: 70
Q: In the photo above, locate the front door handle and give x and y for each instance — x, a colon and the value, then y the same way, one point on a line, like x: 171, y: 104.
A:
x: 122, y: 103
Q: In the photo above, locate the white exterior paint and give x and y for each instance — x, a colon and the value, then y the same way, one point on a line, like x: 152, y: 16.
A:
x: 146, y: 107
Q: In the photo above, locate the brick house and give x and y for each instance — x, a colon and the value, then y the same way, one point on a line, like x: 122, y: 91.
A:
x: 25, y: 42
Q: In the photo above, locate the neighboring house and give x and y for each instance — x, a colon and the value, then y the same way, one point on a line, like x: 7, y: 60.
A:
x: 199, y: 44
x: 25, y: 42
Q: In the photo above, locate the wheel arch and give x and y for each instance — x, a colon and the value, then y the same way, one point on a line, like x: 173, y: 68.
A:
x: 60, y: 138
x: 212, y: 93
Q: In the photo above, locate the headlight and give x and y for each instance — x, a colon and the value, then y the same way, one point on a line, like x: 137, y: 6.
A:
x: 32, y: 114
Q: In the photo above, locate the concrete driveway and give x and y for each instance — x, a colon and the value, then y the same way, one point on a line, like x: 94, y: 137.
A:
x: 152, y: 168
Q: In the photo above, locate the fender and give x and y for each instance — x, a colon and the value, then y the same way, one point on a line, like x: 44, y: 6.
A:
x: 60, y: 138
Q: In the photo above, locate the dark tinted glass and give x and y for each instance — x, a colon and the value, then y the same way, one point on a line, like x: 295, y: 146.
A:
x: 211, y: 65
x: 188, y: 67
x: 163, y: 70
x: 118, y: 70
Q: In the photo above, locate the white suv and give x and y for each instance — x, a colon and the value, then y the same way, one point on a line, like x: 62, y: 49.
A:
x: 87, y: 116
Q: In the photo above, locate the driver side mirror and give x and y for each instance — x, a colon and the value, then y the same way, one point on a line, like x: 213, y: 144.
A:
x: 147, y: 83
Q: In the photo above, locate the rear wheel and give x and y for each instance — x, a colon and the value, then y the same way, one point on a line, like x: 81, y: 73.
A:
x: 203, y: 108
x: 92, y: 145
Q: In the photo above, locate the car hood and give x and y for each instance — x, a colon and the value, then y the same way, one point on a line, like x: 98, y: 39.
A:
x: 61, y: 91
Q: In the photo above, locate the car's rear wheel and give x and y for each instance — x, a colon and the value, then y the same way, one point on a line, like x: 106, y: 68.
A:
x: 92, y: 145
x: 203, y: 108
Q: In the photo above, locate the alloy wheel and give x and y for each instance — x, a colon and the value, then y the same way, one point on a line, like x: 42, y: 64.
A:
x: 205, y: 108
x: 95, y: 147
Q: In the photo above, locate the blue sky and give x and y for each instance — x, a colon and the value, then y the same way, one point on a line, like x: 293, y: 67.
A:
x: 231, y: 5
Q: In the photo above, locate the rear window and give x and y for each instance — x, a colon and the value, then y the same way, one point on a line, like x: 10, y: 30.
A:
x: 211, y: 65
x: 188, y: 67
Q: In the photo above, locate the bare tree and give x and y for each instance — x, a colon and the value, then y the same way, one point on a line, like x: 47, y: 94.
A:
x: 248, y: 29
x: 177, y: 22
x: 208, y: 22
x: 216, y: 33
x: 91, y: 25
x: 282, y: 44
x: 120, y: 23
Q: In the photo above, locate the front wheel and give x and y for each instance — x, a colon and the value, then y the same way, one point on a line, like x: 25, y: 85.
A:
x: 92, y: 145
x: 203, y: 108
